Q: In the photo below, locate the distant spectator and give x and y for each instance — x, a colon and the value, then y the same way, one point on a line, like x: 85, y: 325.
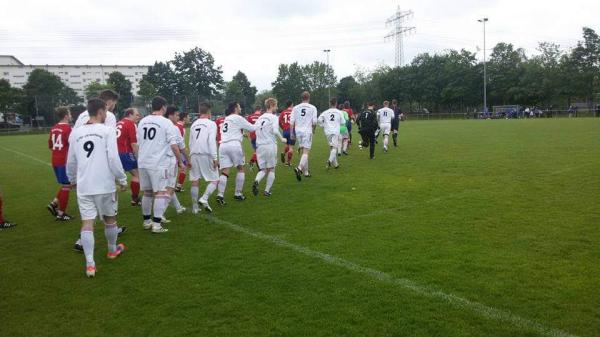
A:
x: 571, y: 111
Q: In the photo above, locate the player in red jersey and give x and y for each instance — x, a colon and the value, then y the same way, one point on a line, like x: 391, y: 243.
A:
x: 58, y: 143
x: 284, y: 122
x: 252, y: 119
x: 184, y: 118
x: 350, y: 121
x: 128, y: 148
x: 4, y: 224
x: 219, y: 123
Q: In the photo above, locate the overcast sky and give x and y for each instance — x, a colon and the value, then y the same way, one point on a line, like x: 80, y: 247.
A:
x: 256, y: 36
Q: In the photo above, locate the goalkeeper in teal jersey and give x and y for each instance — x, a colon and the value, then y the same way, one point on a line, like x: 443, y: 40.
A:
x: 344, y: 135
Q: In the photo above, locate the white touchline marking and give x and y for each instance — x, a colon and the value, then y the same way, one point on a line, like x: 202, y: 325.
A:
x: 457, y: 301
x: 27, y: 156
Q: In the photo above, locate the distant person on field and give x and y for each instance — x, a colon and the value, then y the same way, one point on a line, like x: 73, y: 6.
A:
x: 58, y: 143
x: 385, y: 116
x: 367, y: 122
x: 396, y: 121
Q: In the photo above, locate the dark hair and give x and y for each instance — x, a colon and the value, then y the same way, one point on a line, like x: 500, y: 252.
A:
x: 394, y: 101
x: 231, y: 108
x: 347, y: 104
x: 370, y: 103
x: 183, y: 115
x: 94, y: 105
x: 204, y: 108
x: 257, y: 107
x: 171, y: 110
x: 108, y: 94
x: 333, y: 101
x: 305, y: 96
x: 158, y: 103
x: 128, y: 112
x: 288, y: 104
x: 61, y: 112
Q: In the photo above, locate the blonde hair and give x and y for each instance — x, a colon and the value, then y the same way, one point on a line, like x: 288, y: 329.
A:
x: 270, y: 102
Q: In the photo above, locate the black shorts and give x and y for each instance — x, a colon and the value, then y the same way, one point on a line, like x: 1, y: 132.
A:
x: 395, y: 124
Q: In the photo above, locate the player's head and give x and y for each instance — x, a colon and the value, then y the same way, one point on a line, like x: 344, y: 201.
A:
x: 370, y: 105
x: 288, y: 104
x: 386, y: 103
x: 96, y: 108
x: 205, y: 109
x: 333, y: 102
x: 172, y: 113
x: 394, y: 102
x: 110, y: 97
x: 63, y: 114
x: 133, y: 114
x: 159, y: 105
x: 305, y: 97
x: 184, y: 117
x: 347, y: 105
x: 257, y: 107
x: 233, y: 108
x: 271, y: 104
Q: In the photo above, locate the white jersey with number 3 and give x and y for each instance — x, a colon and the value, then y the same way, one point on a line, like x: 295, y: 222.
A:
x: 304, y: 117
x: 233, y: 127
x: 203, y: 138
x: 385, y: 115
x: 155, y: 135
x: 93, y: 162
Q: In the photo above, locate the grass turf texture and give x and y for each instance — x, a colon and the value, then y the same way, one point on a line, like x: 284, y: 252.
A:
x: 503, y: 213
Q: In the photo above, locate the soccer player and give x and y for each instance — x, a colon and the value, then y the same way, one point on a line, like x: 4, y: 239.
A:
x: 4, y: 224
x: 93, y: 165
x: 128, y: 149
x: 219, y: 123
x: 302, y: 124
x: 252, y: 118
x: 156, y: 139
x: 267, y: 133
x: 385, y: 116
x: 367, y: 122
x: 344, y: 134
x: 284, y: 122
x: 396, y: 121
x: 58, y: 143
x: 173, y: 115
x: 203, y: 157
x: 331, y: 120
x: 351, y: 119
x: 110, y: 98
x: 231, y: 153
x: 184, y: 118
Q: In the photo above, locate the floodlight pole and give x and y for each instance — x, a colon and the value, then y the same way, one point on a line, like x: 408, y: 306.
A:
x: 484, y: 20
x: 327, y: 51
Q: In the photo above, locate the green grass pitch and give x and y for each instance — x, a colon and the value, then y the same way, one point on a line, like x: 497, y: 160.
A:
x: 469, y: 228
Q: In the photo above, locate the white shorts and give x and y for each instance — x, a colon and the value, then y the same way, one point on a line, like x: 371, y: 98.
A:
x: 203, y: 168
x: 304, y: 139
x: 231, y: 154
x: 156, y: 180
x: 266, y: 156
x: 333, y: 139
x: 98, y: 205
x: 172, y: 177
x: 385, y: 128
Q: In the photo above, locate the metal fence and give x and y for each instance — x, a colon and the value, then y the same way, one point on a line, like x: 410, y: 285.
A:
x: 580, y: 113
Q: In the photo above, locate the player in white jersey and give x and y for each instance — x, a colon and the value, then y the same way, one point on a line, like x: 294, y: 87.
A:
x: 93, y: 165
x: 157, y: 138
x: 110, y: 98
x: 267, y: 134
x: 230, y: 151
x: 203, y: 157
x: 302, y: 124
x: 385, y: 116
x: 331, y: 120
x: 172, y: 114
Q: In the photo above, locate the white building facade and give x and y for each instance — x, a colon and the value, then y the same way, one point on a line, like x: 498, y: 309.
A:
x: 76, y: 77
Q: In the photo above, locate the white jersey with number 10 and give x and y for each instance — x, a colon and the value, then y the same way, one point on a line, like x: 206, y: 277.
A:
x: 155, y: 135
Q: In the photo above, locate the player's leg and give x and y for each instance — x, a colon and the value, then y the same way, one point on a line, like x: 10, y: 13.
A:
x: 63, y: 201
x: 180, y: 180
x: 270, y: 181
x: 195, y: 182
x: 147, y: 198
x: 222, y: 185
x: 240, y: 177
x: 106, y: 206
x: 4, y: 224
x: 161, y: 202
x: 88, y: 212
x: 135, y: 187
x: 372, y: 142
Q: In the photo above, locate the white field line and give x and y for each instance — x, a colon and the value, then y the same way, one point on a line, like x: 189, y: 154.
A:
x: 27, y: 156
x: 422, y: 290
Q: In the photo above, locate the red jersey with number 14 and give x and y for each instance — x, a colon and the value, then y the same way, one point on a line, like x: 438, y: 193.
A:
x: 252, y: 119
x: 58, y: 143
x: 126, y: 135
x: 219, y: 123
x: 284, y: 119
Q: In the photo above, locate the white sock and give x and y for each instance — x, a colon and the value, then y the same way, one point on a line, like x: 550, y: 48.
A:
x: 194, y: 191
x: 270, y: 181
x: 210, y: 188
x: 385, y: 141
x: 87, y: 241
x: 146, y: 205
x: 345, y: 146
x: 111, y: 231
x: 222, y: 184
x: 239, y: 182
x: 303, y: 162
x: 160, y: 205
x: 260, y: 176
x: 332, y: 155
x: 175, y: 201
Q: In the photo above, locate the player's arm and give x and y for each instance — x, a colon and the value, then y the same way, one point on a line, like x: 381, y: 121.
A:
x: 277, y: 132
x: 293, y: 125
x: 212, y: 145
x: 72, y: 166
x: 247, y: 125
x: 114, y: 162
x: 172, y: 134
x: 133, y: 140
x: 281, y: 120
x: 314, y: 120
x: 50, y: 141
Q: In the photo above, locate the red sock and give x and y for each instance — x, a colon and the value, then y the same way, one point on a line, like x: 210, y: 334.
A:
x: 290, y: 154
x: 253, y: 160
x: 181, y: 177
x: 63, y: 198
x: 1, y: 213
x: 58, y: 194
x: 135, y: 189
x: 287, y: 149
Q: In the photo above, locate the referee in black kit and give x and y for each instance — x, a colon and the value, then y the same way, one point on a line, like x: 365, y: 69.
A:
x: 367, y: 122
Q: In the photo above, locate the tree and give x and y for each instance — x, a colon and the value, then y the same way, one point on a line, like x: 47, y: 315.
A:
x: 248, y: 91
x: 147, y: 90
x: 196, y: 74
x: 9, y: 97
x: 163, y: 79
x: 290, y: 83
x: 234, y: 92
x: 43, y: 92
x: 320, y: 77
x: 123, y: 87
x: 505, y: 71
x: 94, y: 88
x: 262, y: 97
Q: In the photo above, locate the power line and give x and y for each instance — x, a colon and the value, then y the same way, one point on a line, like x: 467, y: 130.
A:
x: 398, y: 32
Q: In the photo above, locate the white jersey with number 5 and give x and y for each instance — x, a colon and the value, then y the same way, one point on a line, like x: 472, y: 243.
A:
x: 385, y: 115
x: 304, y: 117
x: 331, y: 120
x: 203, y: 138
x: 232, y: 128
x: 155, y: 135
x: 93, y: 162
